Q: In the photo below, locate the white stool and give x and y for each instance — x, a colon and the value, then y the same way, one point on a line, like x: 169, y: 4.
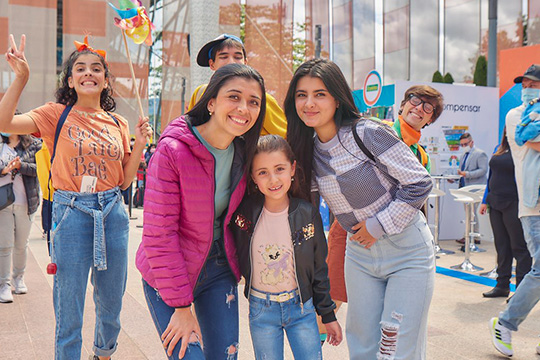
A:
x: 436, y: 194
x: 468, y: 200
x: 477, y: 193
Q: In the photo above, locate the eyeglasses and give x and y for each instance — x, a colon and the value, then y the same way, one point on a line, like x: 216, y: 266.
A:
x: 463, y: 144
x: 415, y: 101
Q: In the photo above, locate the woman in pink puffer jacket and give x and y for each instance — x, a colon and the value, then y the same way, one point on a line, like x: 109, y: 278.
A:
x: 195, y: 181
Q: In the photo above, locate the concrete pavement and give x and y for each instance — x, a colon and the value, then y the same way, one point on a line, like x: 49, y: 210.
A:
x: 457, y: 322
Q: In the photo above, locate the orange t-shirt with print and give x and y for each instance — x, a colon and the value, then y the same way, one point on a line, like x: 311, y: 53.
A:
x: 90, y: 144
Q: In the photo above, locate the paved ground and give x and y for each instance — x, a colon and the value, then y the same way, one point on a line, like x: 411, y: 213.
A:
x: 457, y: 321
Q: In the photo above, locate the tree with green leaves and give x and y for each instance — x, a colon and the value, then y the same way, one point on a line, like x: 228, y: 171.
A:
x: 448, y: 79
x: 480, y: 71
x: 437, y: 77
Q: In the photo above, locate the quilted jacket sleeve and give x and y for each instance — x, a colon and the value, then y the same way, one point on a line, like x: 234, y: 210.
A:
x: 161, y: 234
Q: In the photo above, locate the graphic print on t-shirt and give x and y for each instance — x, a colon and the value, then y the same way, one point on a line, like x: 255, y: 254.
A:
x: 277, y: 261
x: 272, y: 253
x: 90, y: 144
x: 95, y: 146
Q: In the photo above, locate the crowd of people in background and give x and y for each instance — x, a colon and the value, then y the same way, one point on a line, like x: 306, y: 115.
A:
x: 228, y: 192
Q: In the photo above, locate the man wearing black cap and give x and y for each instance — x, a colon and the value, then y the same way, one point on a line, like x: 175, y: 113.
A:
x: 229, y: 49
x: 527, y: 294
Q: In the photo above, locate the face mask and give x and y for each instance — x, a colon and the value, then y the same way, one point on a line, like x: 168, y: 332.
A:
x: 466, y: 148
x: 529, y: 94
x: 6, y: 134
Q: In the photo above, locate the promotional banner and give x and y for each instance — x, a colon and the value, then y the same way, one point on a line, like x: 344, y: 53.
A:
x: 472, y: 109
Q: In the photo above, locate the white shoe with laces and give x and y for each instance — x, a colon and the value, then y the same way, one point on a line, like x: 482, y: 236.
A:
x: 5, y: 293
x: 501, y: 337
x: 20, y: 286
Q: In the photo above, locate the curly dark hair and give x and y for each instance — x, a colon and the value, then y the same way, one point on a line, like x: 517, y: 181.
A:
x: 68, y: 96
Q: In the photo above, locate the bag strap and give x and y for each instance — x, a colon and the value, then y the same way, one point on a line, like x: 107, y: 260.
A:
x: 59, y: 125
x: 361, y: 145
x: 115, y: 119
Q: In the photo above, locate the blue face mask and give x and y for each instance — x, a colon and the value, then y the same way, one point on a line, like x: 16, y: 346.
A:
x: 529, y: 94
x: 6, y: 134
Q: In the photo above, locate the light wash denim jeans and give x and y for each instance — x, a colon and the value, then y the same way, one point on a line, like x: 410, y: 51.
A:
x: 268, y: 319
x: 216, y: 306
x: 527, y: 294
x: 15, y: 224
x: 89, y: 232
x: 389, y: 288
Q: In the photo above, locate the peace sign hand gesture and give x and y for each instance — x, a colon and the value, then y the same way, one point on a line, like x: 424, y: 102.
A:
x: 15, y: 57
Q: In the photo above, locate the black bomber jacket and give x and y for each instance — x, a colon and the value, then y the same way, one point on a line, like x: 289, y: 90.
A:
x: 310, y: 250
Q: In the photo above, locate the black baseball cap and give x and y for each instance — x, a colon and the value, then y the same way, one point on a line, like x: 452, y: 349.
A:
x: 204, y: 54
x: 533, y: 73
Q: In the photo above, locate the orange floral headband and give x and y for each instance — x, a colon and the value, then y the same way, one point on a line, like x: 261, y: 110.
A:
x: 81, y: 46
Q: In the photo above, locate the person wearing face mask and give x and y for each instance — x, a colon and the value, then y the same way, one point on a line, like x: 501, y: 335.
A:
x: 473, y: 163
x: 473, y: 167
x: 527, y: 294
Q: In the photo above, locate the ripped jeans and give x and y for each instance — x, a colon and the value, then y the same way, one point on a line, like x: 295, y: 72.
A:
x: 216, y: 306
x: 389, y: 288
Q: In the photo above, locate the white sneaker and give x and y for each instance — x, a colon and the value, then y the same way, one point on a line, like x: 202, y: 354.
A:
x: 19, y: 285
x: 5, y: 293
x: 501, y: 337
x: 538, y: 349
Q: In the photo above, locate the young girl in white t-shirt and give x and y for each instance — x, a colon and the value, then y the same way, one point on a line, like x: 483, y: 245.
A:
x: 282, y: 254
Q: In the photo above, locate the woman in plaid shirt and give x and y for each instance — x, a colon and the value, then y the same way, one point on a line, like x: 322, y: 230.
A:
x: 376, y: 194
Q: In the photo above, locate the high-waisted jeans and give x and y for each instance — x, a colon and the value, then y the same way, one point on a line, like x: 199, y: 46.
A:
x: 267, y: 321
x: 216, y: 306
x: 89, y: 232
x: 389, y: 288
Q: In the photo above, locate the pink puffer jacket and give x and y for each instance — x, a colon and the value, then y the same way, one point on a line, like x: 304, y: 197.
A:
x: 179, y: 213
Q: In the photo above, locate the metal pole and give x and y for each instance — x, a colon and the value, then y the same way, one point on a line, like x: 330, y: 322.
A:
x: 318, y: 39
x: 183, y: 94
x: 492, y: 45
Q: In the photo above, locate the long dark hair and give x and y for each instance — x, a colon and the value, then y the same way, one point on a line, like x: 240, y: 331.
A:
x: 300, y: 136
x: 68, y: 96
x: 274, y: 143
x: 503, y: 146
x: 199, y: 115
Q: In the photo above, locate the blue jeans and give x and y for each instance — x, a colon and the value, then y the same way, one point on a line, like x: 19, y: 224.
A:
x: 527, y: 294
x: 268, y: 319
x: 389, y: 288
x: 89, y: 232
x: 216, y: 307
